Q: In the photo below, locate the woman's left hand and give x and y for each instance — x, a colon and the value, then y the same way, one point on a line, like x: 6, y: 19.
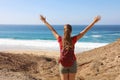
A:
x: 43, y: 19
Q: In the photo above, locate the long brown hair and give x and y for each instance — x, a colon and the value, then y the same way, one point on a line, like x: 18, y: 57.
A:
x: 67, y: 41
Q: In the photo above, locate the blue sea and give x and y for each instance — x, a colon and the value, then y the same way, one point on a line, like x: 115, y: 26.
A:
x: 40, y: 37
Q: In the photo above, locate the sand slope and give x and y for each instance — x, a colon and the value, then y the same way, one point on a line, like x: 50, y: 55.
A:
x: 99, y: 64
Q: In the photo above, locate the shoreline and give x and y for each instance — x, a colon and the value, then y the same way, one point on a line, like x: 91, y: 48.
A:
x: 44, y: 45
x: 17, y: 49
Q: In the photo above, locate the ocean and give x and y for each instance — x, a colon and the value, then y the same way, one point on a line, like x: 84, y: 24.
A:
x: 39, y: 37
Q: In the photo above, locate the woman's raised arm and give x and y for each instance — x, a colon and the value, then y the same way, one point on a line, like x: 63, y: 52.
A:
x: 81, y: 34
x: 43, y: 19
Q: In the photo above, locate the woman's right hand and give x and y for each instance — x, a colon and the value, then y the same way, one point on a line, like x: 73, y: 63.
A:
x: 97, y: 18
x: 43, y: 19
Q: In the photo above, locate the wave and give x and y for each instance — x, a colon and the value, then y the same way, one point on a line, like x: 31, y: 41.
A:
x: 96, y: 36
x: 85, y: 36
x: 7, y: 44
x: 84, y: 46
x: 115, y: 34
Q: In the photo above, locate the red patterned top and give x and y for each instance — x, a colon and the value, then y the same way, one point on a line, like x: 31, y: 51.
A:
x: 74, y: 40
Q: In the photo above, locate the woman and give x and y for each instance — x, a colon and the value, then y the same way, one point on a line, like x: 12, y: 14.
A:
x: 68, y: 42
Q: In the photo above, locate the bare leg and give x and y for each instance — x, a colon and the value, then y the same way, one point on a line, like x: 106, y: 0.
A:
x: 64, y: 76
x: 72, y: 76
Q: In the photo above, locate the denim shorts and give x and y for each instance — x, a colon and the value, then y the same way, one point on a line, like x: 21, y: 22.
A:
x: 72, y: 69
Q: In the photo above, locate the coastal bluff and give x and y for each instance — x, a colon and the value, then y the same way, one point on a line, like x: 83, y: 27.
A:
x: 101, y: 63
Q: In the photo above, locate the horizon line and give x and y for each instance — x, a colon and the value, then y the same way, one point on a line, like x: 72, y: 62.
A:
x: 58, y: 24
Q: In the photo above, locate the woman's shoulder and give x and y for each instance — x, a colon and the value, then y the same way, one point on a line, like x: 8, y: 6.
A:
x: 74, y: 39
x: 59, y: 38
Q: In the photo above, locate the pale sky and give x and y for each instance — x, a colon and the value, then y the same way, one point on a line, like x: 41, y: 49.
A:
x: 77, y: 12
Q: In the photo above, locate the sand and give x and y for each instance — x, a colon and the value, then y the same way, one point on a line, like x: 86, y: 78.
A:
x: 98, y: 64
x: 34, y: 52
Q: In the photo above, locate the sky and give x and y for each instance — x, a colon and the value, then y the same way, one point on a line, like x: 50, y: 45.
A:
x: 77, y: 12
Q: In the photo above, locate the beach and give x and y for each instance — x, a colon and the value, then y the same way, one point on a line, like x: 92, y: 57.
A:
x: 38, y: 37
x: 29, y: 38
x: 32, y: 53
x: 101, y: 63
